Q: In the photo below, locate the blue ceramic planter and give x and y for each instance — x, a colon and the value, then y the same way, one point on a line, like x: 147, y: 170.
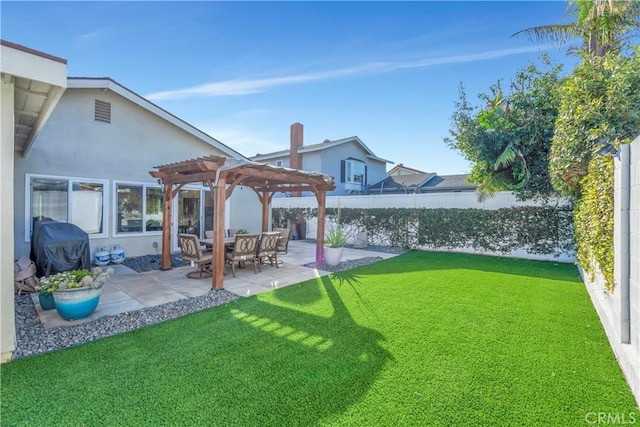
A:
x: 46, y: 301
x: 76, y: 304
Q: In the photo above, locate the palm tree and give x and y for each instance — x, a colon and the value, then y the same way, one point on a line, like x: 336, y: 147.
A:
x: 603, y: 25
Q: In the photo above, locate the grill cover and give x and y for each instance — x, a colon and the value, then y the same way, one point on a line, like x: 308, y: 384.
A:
x: 59, y: 246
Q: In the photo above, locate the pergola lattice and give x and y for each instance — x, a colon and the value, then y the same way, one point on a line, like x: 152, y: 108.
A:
x: 222, y: 175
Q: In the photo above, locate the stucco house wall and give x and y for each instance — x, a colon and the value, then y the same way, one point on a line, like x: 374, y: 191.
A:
x: 49, y: 75
x: 7, y: 315
x: 245, y: 210
x: 74, y: 145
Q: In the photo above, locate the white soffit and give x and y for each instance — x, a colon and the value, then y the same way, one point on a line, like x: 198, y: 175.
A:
x: 39, y: 80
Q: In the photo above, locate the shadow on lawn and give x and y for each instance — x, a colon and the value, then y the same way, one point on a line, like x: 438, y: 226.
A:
x: 312, y: 293
x: 325, y: 362
x: 420, y: 260
x: 250, y: 362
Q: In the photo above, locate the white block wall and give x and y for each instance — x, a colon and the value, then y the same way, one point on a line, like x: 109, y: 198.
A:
x: 609, y: 306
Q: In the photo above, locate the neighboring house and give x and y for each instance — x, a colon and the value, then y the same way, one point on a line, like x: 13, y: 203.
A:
x: 404, y: 180
x: 91, y: 163
x: 31, y: 84
x: 353, y: 165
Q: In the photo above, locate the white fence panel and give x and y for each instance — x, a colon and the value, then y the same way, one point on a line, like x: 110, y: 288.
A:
x: 437, y: 200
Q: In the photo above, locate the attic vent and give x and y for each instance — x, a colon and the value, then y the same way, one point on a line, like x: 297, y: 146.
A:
x: 103, y: 111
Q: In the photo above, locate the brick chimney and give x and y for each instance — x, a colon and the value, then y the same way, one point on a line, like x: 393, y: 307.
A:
x: 297, y: 140
x: 295, y: 158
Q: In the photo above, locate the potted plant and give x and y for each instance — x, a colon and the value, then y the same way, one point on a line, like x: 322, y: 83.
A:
x: 76, y: 293
x: 334, y: 242
x: 45, y: 297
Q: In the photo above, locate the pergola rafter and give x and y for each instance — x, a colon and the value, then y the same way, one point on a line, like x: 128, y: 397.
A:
x: 223, y: 175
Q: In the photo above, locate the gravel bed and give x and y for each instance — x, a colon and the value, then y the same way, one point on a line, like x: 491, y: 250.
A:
x: 150, y: 262
x: 33, y: 338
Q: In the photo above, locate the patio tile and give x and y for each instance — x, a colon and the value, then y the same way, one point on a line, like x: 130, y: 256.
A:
x: 191, y: 289
x: 112, y: 294
x: 276, y: 284
x: 247, y: 290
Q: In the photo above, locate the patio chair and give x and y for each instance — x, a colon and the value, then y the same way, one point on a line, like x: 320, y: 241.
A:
x: 268, y: 248
x: 245, y: 248
x: 192, y: 252
x: 286, y: 234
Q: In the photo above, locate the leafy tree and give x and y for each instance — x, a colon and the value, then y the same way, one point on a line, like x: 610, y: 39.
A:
x: 601, y: 99
x: 603, y: 25
x: 507, y: 139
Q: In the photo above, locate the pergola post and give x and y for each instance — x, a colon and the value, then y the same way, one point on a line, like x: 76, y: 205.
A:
x: 219, y: 196
x: 321, y: 196
x: 265, y: 199
x: 166, y: 227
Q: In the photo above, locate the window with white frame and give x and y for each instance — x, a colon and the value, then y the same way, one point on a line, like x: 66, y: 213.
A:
x: 355, y: 171
x: 80, y: 201
x: 279, y: 163
x: 138, y: 208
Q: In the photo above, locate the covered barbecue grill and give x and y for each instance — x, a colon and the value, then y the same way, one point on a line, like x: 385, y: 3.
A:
x: 59, y: 246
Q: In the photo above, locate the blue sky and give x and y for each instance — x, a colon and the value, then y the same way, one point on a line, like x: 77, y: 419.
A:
x: 243, y: 72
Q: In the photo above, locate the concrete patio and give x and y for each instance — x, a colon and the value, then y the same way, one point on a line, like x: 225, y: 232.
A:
x: 128, y: 290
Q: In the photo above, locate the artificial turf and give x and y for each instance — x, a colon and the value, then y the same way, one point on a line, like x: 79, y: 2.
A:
x: 424, y: 338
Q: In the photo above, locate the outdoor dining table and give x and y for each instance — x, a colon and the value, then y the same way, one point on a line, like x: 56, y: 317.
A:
x: 228, y: 241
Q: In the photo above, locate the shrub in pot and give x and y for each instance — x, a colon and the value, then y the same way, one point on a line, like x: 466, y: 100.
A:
x: 334, y: 242
x: 76, y: 293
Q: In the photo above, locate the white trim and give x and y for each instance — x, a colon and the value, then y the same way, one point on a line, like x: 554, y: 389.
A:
x: 70, y: 180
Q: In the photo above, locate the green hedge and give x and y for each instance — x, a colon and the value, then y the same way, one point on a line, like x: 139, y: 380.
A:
x: 540, y: 230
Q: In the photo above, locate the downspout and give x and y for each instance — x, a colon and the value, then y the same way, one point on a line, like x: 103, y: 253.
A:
x: 625, y: 244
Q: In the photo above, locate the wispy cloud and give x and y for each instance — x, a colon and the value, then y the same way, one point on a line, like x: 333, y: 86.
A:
x: 246, y: 87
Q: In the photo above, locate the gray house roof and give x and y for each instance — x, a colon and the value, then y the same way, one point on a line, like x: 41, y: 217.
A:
x: 422, y: 183
x: 449, y: 183
x: 317, y: 147
x: 107, y: 83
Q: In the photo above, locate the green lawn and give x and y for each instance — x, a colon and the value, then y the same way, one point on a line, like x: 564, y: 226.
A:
x: 421, y: 339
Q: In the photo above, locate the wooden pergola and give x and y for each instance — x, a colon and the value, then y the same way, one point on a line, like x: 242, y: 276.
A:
x: 222, y: 175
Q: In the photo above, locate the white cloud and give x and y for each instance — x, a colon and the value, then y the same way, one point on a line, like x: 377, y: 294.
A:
x: 246, y: 87
x: 233, y: 131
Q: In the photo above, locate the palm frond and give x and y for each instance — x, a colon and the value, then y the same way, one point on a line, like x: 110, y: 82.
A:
x: 506, y: 158
x: 497, y: 182
x: 554, y: 34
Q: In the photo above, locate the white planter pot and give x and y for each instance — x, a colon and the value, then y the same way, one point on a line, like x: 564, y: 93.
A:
x: 332, y: 256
